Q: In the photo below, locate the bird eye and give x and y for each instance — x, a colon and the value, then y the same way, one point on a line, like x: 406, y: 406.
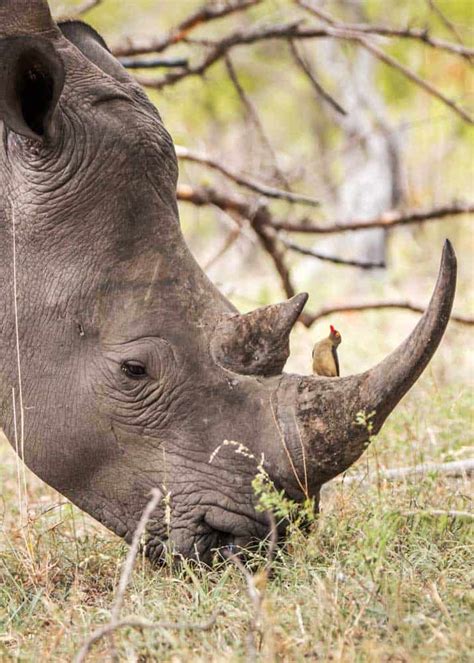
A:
x: 133, y: 369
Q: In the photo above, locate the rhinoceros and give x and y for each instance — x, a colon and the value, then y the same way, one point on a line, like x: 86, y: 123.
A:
x: 122, y: 367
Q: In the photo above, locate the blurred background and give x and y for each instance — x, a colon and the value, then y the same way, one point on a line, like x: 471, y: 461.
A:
x: 362, y: 121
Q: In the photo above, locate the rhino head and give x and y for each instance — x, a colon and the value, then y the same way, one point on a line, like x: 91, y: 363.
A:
x: 122, y: 368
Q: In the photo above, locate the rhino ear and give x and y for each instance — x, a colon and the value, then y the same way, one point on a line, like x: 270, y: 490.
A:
x: 257, y: 343
x: 94, y: 48
x: 31, y: 82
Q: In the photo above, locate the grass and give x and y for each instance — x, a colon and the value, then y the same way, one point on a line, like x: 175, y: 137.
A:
x: 369, y: 583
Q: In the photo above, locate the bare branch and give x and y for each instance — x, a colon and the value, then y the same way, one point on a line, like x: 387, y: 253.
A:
x: 266, y: 229
x: 386, y: 220
x: 201, y: 196
x: 205, y: 14
x: 318, y: 88
x: 377, y: 305
x: 258, y: 187
x: 455, y: 469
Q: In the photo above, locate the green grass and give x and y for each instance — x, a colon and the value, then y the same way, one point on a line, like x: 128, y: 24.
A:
x: 369, y: 583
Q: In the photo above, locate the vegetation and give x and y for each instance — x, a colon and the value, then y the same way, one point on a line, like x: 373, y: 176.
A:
x: 377, y: 578
x: 385, y: 571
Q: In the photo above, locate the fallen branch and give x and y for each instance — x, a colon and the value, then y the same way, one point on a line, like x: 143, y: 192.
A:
x: 134, y: 622
x: 456, y: 469
x: 257, y: 187
x: 378, y: 305
x: 205, y: 14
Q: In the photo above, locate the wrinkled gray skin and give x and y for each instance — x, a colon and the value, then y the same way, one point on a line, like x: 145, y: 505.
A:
x: 106, y: 288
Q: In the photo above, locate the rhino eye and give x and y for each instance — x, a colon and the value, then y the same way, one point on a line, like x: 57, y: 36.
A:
x: 133, y: 369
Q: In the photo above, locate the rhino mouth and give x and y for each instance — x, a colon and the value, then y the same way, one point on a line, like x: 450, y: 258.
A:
x: 217, y: 534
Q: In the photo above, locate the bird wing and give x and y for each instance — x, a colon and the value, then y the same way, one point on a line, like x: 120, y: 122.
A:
x: 336, y: 359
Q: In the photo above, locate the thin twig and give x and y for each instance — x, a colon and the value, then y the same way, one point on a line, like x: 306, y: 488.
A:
x: 153, y: 63
x: 203, y: 15
x: 411, y: 75
x: 255, y: 119
x: 377, y: 305
x: 333, y: 259
x: 228, y: 243
x: 242, y: 180
x: 449, y: 25
x: 318, y: 88
x: 127, y: 569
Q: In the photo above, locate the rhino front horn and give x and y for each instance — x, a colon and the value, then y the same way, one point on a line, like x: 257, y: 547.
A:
x: 331, y: 420
x: 257, y: 343
x: 22, y: 17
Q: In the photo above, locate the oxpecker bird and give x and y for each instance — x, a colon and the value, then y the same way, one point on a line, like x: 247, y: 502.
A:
x: 325, y: 360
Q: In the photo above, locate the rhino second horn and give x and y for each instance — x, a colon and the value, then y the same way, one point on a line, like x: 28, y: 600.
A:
x: 22, y: 17
x: 257, y: 343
